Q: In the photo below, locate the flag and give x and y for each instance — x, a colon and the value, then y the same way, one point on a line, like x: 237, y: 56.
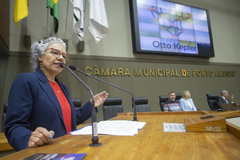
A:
x: 98, y: 26
x: 50, y: 5
x: 78, y: 18
x: 21, y: 10
x: 53, y: 5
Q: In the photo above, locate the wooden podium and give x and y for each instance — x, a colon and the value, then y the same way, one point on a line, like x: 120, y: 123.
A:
x: 151, y: 142
x: 206, y: 123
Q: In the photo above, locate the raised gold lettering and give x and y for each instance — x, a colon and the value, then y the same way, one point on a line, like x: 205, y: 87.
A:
x: 151, y: 72
x: 137, y: 73
x: 167, y: 72
x: 194, y: 72
x: 88, y: 70
x: 120, y: 71
x: 160, y: 74
x: 127, y: 73
x: 104, y: 73
x: 96, y: 71
x: 113, y: 72
x: 145, y: 72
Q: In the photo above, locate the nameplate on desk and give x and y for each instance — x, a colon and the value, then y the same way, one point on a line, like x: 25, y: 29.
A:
x: 207, y: 123
x: 213, y: 129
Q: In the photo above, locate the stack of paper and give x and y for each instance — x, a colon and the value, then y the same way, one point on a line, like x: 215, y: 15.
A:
x: 115, y: 127
x: 235, y: 121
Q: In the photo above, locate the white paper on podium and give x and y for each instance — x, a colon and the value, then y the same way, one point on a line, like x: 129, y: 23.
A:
x: 174, y: 127
x: 235, y: 121
x: 114, y: 127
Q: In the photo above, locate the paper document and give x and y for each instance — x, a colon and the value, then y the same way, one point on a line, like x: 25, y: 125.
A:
x: 174, y: 127
x: 115, y: 127
x: 235, y: 121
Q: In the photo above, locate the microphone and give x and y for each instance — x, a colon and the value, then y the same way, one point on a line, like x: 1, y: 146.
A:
x: 95, y: 138
x: 133, y: 99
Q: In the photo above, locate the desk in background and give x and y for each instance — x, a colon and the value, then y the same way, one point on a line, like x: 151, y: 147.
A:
x: 150, y: 143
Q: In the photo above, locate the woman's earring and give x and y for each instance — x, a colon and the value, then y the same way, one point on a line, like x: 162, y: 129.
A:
x: 41, y: 64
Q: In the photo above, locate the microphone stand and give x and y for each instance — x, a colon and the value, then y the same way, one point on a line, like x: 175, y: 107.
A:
x: 95, y: 138
x: 133, y: 99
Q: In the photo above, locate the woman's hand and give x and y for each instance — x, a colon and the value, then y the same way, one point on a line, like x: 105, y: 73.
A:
x: 40, y: 137
x: 100, y: 98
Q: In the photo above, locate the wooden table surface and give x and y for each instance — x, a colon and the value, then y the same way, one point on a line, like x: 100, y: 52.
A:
x: 4, y: 145
x: 150, y: 143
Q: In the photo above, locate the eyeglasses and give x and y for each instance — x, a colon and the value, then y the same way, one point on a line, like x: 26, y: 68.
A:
x: 56, y: 53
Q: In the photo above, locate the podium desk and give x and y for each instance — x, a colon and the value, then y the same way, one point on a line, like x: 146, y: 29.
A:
x: 150, y: 143
x: 4, y: 145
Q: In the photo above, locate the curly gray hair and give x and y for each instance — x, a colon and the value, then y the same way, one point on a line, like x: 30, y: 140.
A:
x: 38, y: 49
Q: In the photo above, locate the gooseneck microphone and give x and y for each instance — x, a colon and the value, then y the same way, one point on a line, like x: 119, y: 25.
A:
x: 95, y: 138
x: 133, y: 99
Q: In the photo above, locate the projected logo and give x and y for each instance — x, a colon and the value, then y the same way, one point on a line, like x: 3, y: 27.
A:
x: 172, y: 22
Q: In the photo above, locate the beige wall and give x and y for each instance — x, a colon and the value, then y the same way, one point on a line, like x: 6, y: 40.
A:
x: 115, y: 51
x: 150, y: 86
x: 224, y: 16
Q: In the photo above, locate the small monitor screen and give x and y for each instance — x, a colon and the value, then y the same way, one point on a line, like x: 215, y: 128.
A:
x: 169, y: 28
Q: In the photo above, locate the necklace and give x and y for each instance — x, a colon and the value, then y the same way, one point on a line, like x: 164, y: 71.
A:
x: 55, y: 86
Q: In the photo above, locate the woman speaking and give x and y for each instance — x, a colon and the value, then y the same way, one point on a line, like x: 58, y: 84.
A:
x: 39, y: 105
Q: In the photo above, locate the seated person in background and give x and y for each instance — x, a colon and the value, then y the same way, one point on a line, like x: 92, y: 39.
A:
x: 223, y: 98
x: 186, y: 102
x: 171, y: 104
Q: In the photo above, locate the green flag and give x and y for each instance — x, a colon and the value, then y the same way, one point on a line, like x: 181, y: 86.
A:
x: 53, y: 5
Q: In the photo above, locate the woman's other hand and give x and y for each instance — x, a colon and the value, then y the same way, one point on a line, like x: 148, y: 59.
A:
x: 100, y: 98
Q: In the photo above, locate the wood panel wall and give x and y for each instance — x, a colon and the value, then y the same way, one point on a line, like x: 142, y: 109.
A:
x: 4, y: 27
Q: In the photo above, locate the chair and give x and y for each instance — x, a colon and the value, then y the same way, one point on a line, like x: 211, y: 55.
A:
x: 212, y: 100
x: 5, y: 105
x: 162, y: 101
x: 76, y: 102
x: 141, y: 104
x: 178, y: 97
x: 111, y: 107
